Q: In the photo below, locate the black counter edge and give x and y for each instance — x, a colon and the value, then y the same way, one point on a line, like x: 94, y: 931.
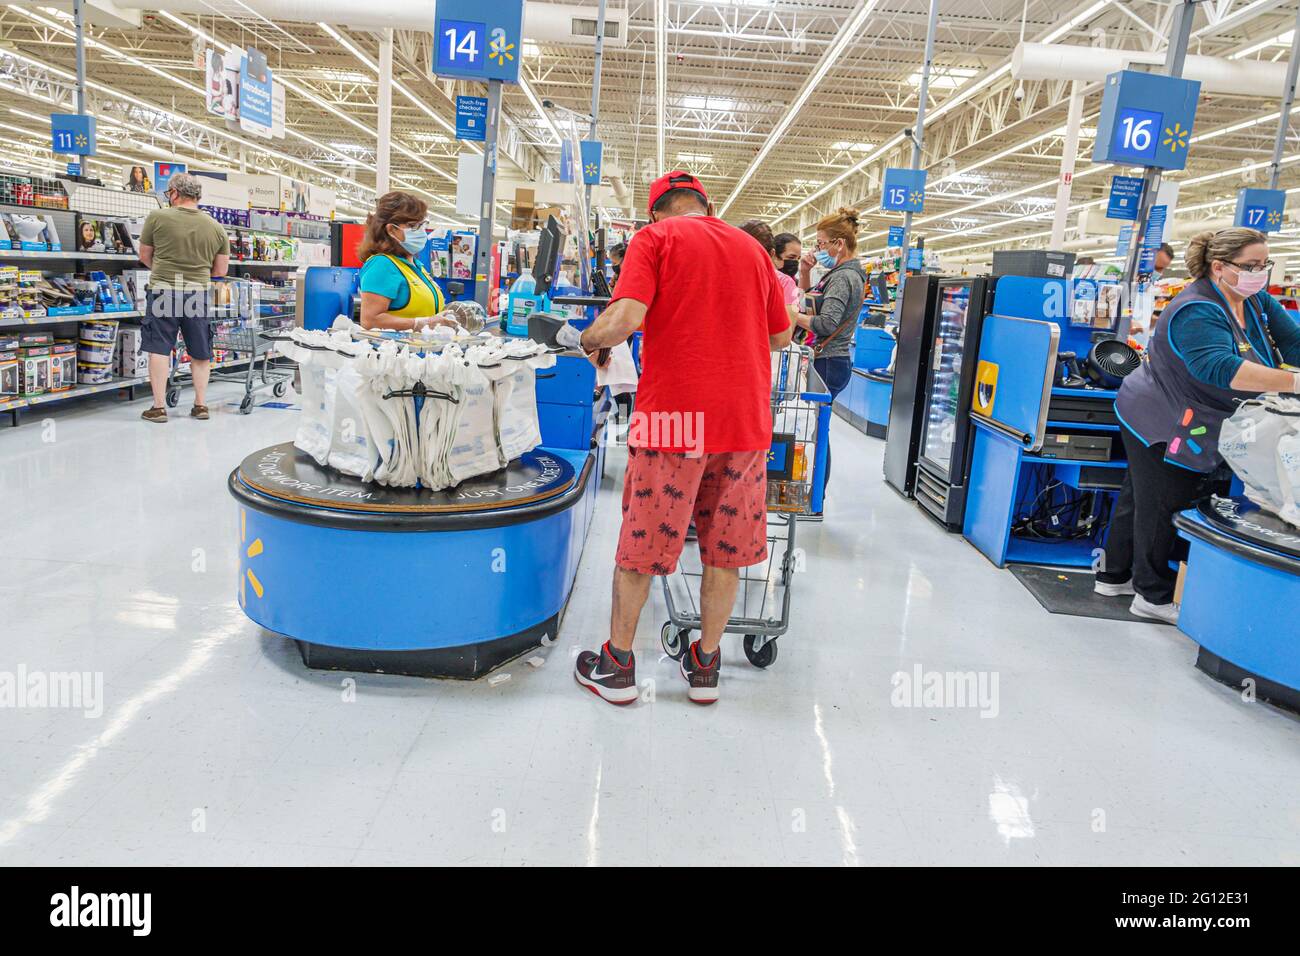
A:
x: 397, y: 521
x: 1229, y: 674
x: 1236, y: 546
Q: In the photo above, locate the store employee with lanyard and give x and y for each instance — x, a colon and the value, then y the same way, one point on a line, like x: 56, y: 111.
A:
x: 397, y: 292
x: 1222, y: 340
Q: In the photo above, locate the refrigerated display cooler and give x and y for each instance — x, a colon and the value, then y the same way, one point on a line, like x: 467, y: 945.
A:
x: 943, y: 462
x: 916, y: 318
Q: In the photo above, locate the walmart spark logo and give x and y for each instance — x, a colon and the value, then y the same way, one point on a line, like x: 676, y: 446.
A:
x: 1176, y: 137
x: 249, y: 579
x: 915, y: 198
x: 591, y: 169
x: 499, y: 49
x: 82, y: 141
x: 1275, y: 218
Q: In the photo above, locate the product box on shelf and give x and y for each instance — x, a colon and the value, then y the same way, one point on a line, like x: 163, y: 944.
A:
x: 101, y: 234
x: 36, y: 369
x: 132, y: 361
x: 63, y: 365
x: 32, y: 233
x: 10, y: 374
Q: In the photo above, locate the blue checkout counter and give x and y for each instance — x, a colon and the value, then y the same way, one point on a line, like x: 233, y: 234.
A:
x: 408, y: 581
x: 864, y: 402
x: 1037, y: 443
x: 1239, y: 597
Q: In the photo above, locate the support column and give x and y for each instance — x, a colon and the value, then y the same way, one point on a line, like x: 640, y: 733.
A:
x: 80, y: 24
x: 482, y: 261
x: 918, y: 144
x: 1288, y: 99
x: 595, y: 86
x: 1069, y: 155
x: 383, y: 149
x: 1175, y: 57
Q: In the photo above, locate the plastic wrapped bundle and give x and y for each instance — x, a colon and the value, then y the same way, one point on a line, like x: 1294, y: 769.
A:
x: 1261, y: 443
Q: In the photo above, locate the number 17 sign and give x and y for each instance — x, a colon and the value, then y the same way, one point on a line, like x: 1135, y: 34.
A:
x: 479, y: 39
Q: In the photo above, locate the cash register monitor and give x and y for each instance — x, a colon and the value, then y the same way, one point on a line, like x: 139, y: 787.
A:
x: 550, y: 244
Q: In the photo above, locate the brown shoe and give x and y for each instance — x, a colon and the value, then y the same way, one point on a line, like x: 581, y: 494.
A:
x: 200, y: 412
x: 158, y: 415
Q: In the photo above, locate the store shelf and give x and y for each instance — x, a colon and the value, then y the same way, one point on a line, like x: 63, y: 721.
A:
x: 23, y: 401
x: 32, y: 254
x: 61, y: 319
x: 281, y: 264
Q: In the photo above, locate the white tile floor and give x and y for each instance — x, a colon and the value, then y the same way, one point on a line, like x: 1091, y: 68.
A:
x: 216, y: 746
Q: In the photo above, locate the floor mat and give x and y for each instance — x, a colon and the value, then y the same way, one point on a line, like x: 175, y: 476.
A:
x: 1065, y: 591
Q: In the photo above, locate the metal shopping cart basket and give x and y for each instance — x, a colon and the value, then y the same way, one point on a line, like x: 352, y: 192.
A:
x: 796, y: 478
x: 239, y: 329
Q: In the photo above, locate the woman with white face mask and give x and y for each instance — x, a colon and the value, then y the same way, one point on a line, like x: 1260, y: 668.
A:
x: 1223, y: 339
x: 397, y: 292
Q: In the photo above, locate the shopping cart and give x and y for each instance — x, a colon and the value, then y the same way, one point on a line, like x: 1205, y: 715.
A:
x: 238, y: 328
x: 801, y: 409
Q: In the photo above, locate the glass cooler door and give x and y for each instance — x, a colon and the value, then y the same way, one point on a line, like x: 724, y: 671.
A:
x: 943, y: 392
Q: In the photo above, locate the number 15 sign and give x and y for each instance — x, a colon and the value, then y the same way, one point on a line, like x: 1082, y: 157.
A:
x: 479, y: 39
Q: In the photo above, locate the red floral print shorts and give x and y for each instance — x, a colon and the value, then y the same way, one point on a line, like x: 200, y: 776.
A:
x: 725, y: 493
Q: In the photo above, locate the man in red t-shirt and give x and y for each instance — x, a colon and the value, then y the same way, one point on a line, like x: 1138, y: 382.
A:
x: 706, y: 297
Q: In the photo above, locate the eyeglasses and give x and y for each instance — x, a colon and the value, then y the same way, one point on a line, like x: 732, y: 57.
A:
x: 823, y: 243
x: 1251, y: 267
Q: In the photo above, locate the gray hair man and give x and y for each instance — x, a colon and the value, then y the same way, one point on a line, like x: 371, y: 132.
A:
x: 185, y: 249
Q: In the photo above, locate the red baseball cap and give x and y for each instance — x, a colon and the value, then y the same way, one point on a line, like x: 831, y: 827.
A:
x: 674, y: 180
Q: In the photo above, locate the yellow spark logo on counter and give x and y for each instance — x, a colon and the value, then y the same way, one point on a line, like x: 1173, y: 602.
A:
x: 252, y: 551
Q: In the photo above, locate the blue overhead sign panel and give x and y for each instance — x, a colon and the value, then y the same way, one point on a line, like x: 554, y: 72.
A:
x: 1260, y: 209
x: 1146, y: 120
x: 1125, y: 196
x: 478, y: 39
x: 72, y: 133
x: 592, y: 153
x: 471, y: 117
x: 904, y: 190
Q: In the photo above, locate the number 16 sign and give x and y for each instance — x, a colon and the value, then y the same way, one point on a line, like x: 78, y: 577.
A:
x: 479, y: 39
x: 1146, y: 120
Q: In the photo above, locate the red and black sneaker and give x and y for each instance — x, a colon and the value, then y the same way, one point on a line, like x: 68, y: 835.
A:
x: 703, y: 680
x: 603, y: 675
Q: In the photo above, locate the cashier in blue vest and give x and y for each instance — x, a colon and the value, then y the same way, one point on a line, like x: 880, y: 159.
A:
x: 397, y: 292
x: 1222, y: 340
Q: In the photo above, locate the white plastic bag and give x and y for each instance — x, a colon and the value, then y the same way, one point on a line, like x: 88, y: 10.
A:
x: 1261, y: 443
x: 316, y: 423
x: 515, y: 396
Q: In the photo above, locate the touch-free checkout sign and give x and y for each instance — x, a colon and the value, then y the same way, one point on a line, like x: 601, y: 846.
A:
x: 1260, y: 209
x: 471, y: 117
x: 1125, y: 196
x: 478, y: 39
x: 904, y: 190
x: 1146, y: 120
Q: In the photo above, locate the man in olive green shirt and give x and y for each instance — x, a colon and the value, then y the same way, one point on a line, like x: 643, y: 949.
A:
x: 184, y: 248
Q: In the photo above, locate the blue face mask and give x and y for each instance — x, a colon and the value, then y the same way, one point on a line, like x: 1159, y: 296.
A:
x: 824, y: 259
x: 415, y: 241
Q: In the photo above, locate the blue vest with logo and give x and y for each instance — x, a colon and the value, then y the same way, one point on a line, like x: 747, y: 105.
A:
x: 1164, y: 403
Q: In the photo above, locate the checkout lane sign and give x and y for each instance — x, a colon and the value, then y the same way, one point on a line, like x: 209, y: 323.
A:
x: 479, y: 39
x: 1260, y: 209
x: 904, y: 190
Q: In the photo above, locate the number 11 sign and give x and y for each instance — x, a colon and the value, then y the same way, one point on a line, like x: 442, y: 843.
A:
x: 479, y: 39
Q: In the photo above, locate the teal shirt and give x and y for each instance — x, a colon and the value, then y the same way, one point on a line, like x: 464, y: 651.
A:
x: 380, y: 276
x: 1201, y: 333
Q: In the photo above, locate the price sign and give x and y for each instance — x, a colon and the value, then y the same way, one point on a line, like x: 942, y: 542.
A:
x: 478, y: 39
x: 904, y: 190
x: 1146, y: 119
x: 1260, y: 209
x: 72, y: 133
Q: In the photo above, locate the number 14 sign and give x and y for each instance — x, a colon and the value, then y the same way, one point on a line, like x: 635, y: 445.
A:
x: 479, y: 39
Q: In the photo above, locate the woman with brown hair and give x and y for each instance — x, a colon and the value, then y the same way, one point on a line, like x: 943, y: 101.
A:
x: 1222, y: 340
x: 397, y: 292
x: 837, y: 302
x: 762, y: 232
